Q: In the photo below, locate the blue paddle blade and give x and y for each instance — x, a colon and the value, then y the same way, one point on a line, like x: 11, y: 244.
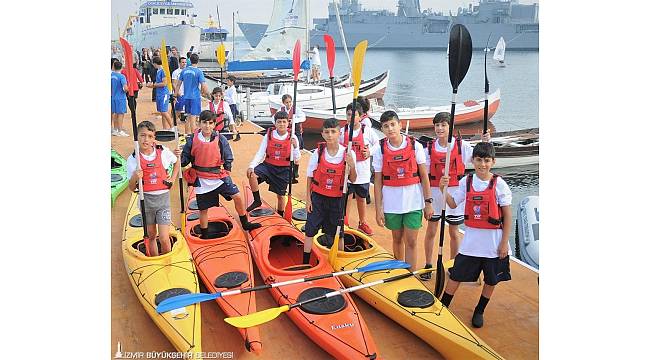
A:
x: 385, y: 265
x: 179, y: 301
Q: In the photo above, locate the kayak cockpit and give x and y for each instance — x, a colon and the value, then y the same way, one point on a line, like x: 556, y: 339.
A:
x: 216, y: 229
x: 353, y: 242
x: 139, y: 245
x: 285, y: 252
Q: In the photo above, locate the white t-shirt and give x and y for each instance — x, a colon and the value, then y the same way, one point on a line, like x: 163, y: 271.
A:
x: 315, y: 59
x: 466, y: 156
x: 400, y: 199
x: 175, y: 75
x: 230, y: 95
x: 207, y: 185
x: 482, y: 242
x: 363, y: 166
x: 336, y: 159
x: 261, y: 152
x: 168, y: 158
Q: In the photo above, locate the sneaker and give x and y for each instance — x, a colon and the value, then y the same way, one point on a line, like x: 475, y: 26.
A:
x: 427, y: 275
x: 122, y: 133
x: 477, y: 320
x: 114, y: 132
x: 365, y: 228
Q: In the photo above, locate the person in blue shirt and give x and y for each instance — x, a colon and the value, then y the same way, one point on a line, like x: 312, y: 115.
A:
x: 162, y: 94
x: 119, y: 88
x: 192, y: 79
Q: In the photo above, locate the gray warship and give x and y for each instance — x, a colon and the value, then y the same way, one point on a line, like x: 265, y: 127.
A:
x: 413, y: 28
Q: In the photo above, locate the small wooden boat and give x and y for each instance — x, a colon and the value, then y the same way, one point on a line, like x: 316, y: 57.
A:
x: 418, y: 117
x: 527, y: 231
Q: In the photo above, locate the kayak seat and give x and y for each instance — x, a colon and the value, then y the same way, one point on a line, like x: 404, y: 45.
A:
x: 231, y: 279
x: 298, y: 267
x: 140, y: 246
x: 329, y: 305
x: 216, y: 229
x: 416, y: 298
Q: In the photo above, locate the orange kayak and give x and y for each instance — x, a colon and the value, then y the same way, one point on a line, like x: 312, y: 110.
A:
x: 335, y: 324
x: 223, y: 262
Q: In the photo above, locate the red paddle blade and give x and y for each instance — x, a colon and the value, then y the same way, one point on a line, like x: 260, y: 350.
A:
x: 288, y: 210
x: 296, y: 60
x: 128, y: 59
x: 331, y: 53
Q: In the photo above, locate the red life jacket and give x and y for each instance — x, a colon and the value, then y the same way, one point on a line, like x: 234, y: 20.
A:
x: 299, y: 127
x: 357, y: 142
x: 207, y: 161
x: 481, y: 208
x: 437, y: 167
x: 277, y: 151
x: 399, y: 167
x: 328, y: 177
x: 220, y: 115
x: 153, y: 172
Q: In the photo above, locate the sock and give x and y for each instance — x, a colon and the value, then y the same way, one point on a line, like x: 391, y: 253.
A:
x: 256, y: 201
x: 428, y: 266
x: 482, y: 303
x: 243, y: 219
x: 204, y: 232
x: 305, y: 257
x: 281, y: 213
x: 446, y: 299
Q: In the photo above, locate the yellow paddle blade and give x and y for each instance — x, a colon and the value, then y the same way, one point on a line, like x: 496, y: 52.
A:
x: 448, y: 264
x: 165, y: 66
x: 357, y: 65
x: 256, y: 318
x: 331, y: 257
x: 221, y: 54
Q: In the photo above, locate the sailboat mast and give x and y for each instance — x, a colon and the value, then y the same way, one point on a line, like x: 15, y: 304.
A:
x: 233, y: 35
x: 345, y: 45
x: 307, y: 49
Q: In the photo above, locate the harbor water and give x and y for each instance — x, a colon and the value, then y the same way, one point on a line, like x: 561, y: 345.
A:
x: 421, y: 78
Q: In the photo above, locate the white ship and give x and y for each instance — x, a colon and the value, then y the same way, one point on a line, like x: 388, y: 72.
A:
x: 169, y: 20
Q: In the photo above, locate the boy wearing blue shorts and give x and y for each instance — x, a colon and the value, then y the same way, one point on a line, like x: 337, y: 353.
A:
x: 272, y: 163
x: 162, y: 94
x: 364, y: 143
x: 180, y: 100
x: 400, y: 180
x: 119, y: 88
x: 325, y: 179
x: 488, y: 219
x: 211, y: 159
x: 191, y: 78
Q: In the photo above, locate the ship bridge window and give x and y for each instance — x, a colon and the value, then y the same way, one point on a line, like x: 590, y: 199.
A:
x: 177, y: 11
x: 141, y: 20
x: 162, y: 11
x: 183, y: 12
x: 170, y: 11
x: 155, y: 11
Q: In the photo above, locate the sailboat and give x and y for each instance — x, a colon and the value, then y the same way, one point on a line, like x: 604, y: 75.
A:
x: 500, y: 52
x: 273, y: 54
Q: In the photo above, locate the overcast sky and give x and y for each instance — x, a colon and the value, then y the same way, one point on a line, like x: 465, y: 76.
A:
x: 259, y: 11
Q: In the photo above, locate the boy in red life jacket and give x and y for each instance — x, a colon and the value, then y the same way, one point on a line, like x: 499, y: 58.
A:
x: 225, y: 120
x: 294, y: 120
x: 401, y: 185
x: 154, y: 161
x: 325, y: 177
x: 461, y: 154
x: 271, y: 163
x: 364, y: 143
x: 211, y: 159
x: 488, y: 219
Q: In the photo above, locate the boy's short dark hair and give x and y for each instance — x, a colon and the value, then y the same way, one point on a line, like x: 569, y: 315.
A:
x: 442, y: 117
x: 387, y: 116
x: 231, y: 78
x: 117, y: 65
x: 358, y: 108
x: 217, y: 89
x: 365, y: 104
x: 113, y: 60
x: 156, y: 60
x: 331, y: 123
x: 281, y: 115
x: 285, y: 97
x: 182, y: 58
x: 484, y: 150
x: 194, y: 59
x: 206, y: 115
x: 146, y: 125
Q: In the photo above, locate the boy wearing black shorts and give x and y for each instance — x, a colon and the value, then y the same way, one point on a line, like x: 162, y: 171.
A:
x: 272, y: 162
x: 211, y: 159
x: 488, y: 219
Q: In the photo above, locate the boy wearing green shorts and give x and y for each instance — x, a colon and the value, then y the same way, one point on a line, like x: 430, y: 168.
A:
x: 400, y: 180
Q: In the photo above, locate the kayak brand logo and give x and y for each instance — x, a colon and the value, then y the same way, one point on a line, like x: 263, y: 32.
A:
x: 342, y: 326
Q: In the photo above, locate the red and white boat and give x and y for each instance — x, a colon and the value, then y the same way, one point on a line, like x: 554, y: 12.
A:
x: 420, y: 117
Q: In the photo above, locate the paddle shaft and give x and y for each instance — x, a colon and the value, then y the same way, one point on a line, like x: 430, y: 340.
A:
x: 293, y: 126
x: 180, y: 173
x: 487, y: 86
x: 333, y: 94
x: 140, y: 187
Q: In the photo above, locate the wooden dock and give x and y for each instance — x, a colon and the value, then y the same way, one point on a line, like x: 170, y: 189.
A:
x: 511, y: 319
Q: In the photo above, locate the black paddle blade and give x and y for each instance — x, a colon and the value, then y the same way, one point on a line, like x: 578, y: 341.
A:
x: 487, y: 47
x: 460, y: 54
x: 440, y: 278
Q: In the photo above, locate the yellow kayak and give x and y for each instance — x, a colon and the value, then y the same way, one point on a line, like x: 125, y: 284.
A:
x: 156, y: 278
x: 408, y: 301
